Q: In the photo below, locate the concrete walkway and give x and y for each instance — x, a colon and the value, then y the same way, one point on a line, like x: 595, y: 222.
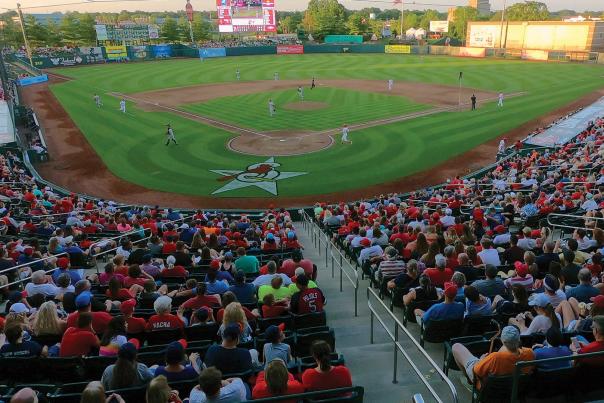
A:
x: 372, y: 365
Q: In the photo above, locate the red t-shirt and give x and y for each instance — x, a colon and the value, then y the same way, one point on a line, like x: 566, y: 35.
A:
x: 439, y: 278
x: 100, y: 320
x: 308, y: 301
x: 168, y: 248
x: 593, y: 347
x: 122, y: 295
x: 164, y: 322
x: 130, y: 281
x: 273, y: 311
x: 136, y: 325
x: 77, y: 342
x: 176, y: 271
x: 200, y: 301
x: 338, y: 377
x: 261, y: 388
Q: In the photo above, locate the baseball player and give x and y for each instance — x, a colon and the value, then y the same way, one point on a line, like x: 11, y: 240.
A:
x: 500, y: 102
x: 301, y: 92
x: 123, y: 105
x: 276, y: 76
x: 271, y: 107
x: 345, y: 134
x: 501, y: 147
x: 312, y: 85
x: 97, y: 100
x: 237, y: 74
x: 170, y: 135
x: 390, y: 84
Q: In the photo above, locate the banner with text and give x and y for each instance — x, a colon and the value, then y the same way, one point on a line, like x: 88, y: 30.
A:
x: 25, y: 81
x: 534, y: 54
x: 92, y: 54
x: 472, y: 52
x: 439, y: 26
x: 162, y: 51
x: 402, y: 49
x: 290, y: 49
x: 116, y: 52
x: 206, y: 53
x: 139, y: 52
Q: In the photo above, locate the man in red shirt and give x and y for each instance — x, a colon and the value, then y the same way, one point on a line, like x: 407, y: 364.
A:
x: 289, y: 266
x: 307, y: 300
x: 200, y: 299
x: 441, y: 274
x: 100, y: 320
x: 595, y: 346
x: 134, y: 325
x: 80, y: 340
x: 164, y: 320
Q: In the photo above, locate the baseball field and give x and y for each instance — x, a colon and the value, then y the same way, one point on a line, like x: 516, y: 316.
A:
x: 230, y: 147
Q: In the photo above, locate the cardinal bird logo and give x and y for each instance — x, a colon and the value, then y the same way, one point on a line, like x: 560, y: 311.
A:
x: 263, y: 175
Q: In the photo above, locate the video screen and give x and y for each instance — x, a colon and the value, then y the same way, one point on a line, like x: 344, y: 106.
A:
x: 246, y: 16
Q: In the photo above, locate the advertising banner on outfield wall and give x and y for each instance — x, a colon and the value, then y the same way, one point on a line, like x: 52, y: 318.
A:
x: 92, y: 54
x: 206, y: 53
x: 439, y: 26
x: 290, y: 49
x: 139, y: 52
x: 534, y: 54
x: 116, y: 52
x: 404, y: 49
x: 472, y: 52
x: 162, y: 51
x: 25, y: 81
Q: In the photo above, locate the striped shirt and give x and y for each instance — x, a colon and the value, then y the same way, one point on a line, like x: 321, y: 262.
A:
x: 391, y: 268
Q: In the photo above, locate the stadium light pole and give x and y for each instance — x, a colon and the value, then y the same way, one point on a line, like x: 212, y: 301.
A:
x: 27, y: 49
x: 402, y: 17
x: 501, y: 26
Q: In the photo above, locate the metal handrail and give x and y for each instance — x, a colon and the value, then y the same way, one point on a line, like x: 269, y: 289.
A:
x: 27, y: 278
x: 570, y: 216
x: 32, y: 262
x: 397, y: 346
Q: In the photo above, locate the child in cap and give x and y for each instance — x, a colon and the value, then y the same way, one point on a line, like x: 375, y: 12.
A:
x: 274, y: 347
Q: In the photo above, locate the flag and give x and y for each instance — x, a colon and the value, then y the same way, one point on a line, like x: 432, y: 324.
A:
x: 460, y: 75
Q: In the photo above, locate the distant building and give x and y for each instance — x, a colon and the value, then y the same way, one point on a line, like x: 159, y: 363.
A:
x: 483, y: 6
x: 585, y: 36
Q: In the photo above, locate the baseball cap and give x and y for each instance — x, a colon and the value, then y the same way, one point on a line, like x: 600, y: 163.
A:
x: 127, y: 307
x: 83, y: 300
x: 291, y: 235
x: 215, y: 264
x: 272, y: 334
x: 232, y: 331
x: 28, y: 251
x: 510, y: 334
x: 174, y: 352
x: 598, y: 301
x: 19, y: 307
x: 365, y: 242
x: 500, y: 229
x: 62, y: 262
x: 127, y: 351
x: 521, y: 269
x: 450, y: 290
x: 270, y: 236
x: 541, y: 300
x: 15, y: 296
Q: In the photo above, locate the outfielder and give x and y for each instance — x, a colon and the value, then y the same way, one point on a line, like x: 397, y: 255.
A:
x: 312, y: 85
x: 276, y: 76
x: 97, y: 100
x: 500, y: 102
x: 345, y: 135
x: 271, y: 107
x: 237, y: 74
x: 123, y: 105
x: 390, y: 84
x: 170, y: 135
x: 301, y: 92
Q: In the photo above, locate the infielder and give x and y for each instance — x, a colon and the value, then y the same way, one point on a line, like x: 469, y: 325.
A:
x: 271, y: 107
x: 345, y: 135
x: 170, y: 135
x: 301, y: 93
x: 276, y: 76
x: 237, y: 74
x: 123, y: 105
x: 97, y: 100
x: 500, y: 102
x: 390, y: 84
x: 312, y: 85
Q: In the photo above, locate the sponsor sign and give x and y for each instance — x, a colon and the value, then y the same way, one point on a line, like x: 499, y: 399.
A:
x: 138, y: 52
x: 101, y: 32
x: 162, y: 51
x: 116, y: 52
x: 397, y: 49
x: 153, y: 32
x: 290, y: 49
x: 472, y: 52
x: 439, y: 26
x: 534, y: 54
x: 92, y: 54
x: 25, y: 81
x: 206, y: 53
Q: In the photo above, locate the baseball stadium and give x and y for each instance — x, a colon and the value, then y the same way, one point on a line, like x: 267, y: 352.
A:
x: 249, y: 204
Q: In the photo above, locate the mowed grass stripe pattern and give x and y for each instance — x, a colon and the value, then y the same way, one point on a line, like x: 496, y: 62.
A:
x: 342, y: 107
x: 132, y: 145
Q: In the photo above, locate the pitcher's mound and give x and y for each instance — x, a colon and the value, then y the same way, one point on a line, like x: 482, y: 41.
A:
x: 305, y: 106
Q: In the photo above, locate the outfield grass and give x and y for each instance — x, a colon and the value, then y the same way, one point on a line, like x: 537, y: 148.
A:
x: 132, y: 145
x: 343, y: 106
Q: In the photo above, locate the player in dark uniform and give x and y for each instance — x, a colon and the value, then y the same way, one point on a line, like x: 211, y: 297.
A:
x: 473, y: 99
x: 312, y: 85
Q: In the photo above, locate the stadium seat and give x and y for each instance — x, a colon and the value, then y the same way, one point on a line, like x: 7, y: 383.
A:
x: 263, y: 323
x: 439, y: 331
x: 305, y: 338
x: 498, y: 389
x: 309, y: 320
x: 163, y: 336
x: 205, y: 331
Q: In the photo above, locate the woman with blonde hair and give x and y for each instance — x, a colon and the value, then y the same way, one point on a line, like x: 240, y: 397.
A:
x: 46, y: 321
x: 276, y: 381
x: 234, y: 313
x: 53, y: 246
x: 159, y: 391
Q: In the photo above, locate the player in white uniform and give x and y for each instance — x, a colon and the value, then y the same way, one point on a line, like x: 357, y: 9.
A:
x: 500, y: 102
x: 170, y: 135
x: 237, y: 74
x: 276, y: 76
x: 271, y: 107
x: 301, y: 93
x: 390, y: 84
x: 345, y: 135
x: 97, y: 100
x: 123, y: 105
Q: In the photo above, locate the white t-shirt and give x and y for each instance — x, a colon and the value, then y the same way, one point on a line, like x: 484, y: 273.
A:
x: 490, y: 256
x: 46, y: 289
x: 541, y: 324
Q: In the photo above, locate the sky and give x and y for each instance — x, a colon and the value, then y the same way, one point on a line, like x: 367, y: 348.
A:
x: 174, y: 5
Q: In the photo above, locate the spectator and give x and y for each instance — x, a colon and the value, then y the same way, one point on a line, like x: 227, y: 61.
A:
x: 526, y: 242
x: 46, y: 322
x: 325, y: 376
x: 126, y: 372
x: 163, y: 319
x: 425, y: 292
x: 543, y: 261
x: 172, y: 270
x: 276, y: 381
x: 491, y: 285
x: 114, y: 337
x: 272, y: 309
x: 116, y: 293
x: 408, y: 280
x: 215, y: 286
x: 174, y: 370
x: 245, y: 263
x: 488, y: 254
x: 212, y: 388
x: 265, y: 279
x: 307, y: 300
x: 546, y: 317
x: 159, y: 391
x: 226, y: 300
x: 521, y: 277
x: 16, y: 347
x: 552, y: 349
x: 40, y: 284
x: 245, y: 292
x: 441, y: 274
x: 63, y: 266
x: 234, y: 314
x: 100, y: 320
x: 594, y: 346
x: 95, y: 393
x: 294, y: 285
x: 466, y: 268
x: 276, y: 288
x: 274, y: 348
x: 447, y: 310
x: 80, y: 340
x: 227, y: 357
x: 552, y: 291
x: 476, y: 304
x: 201, y: 299
x: 518, y: 305
x: 570, y: 271
x: 584, y: 291
x: 500, y: 362
x: 109, y: 273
